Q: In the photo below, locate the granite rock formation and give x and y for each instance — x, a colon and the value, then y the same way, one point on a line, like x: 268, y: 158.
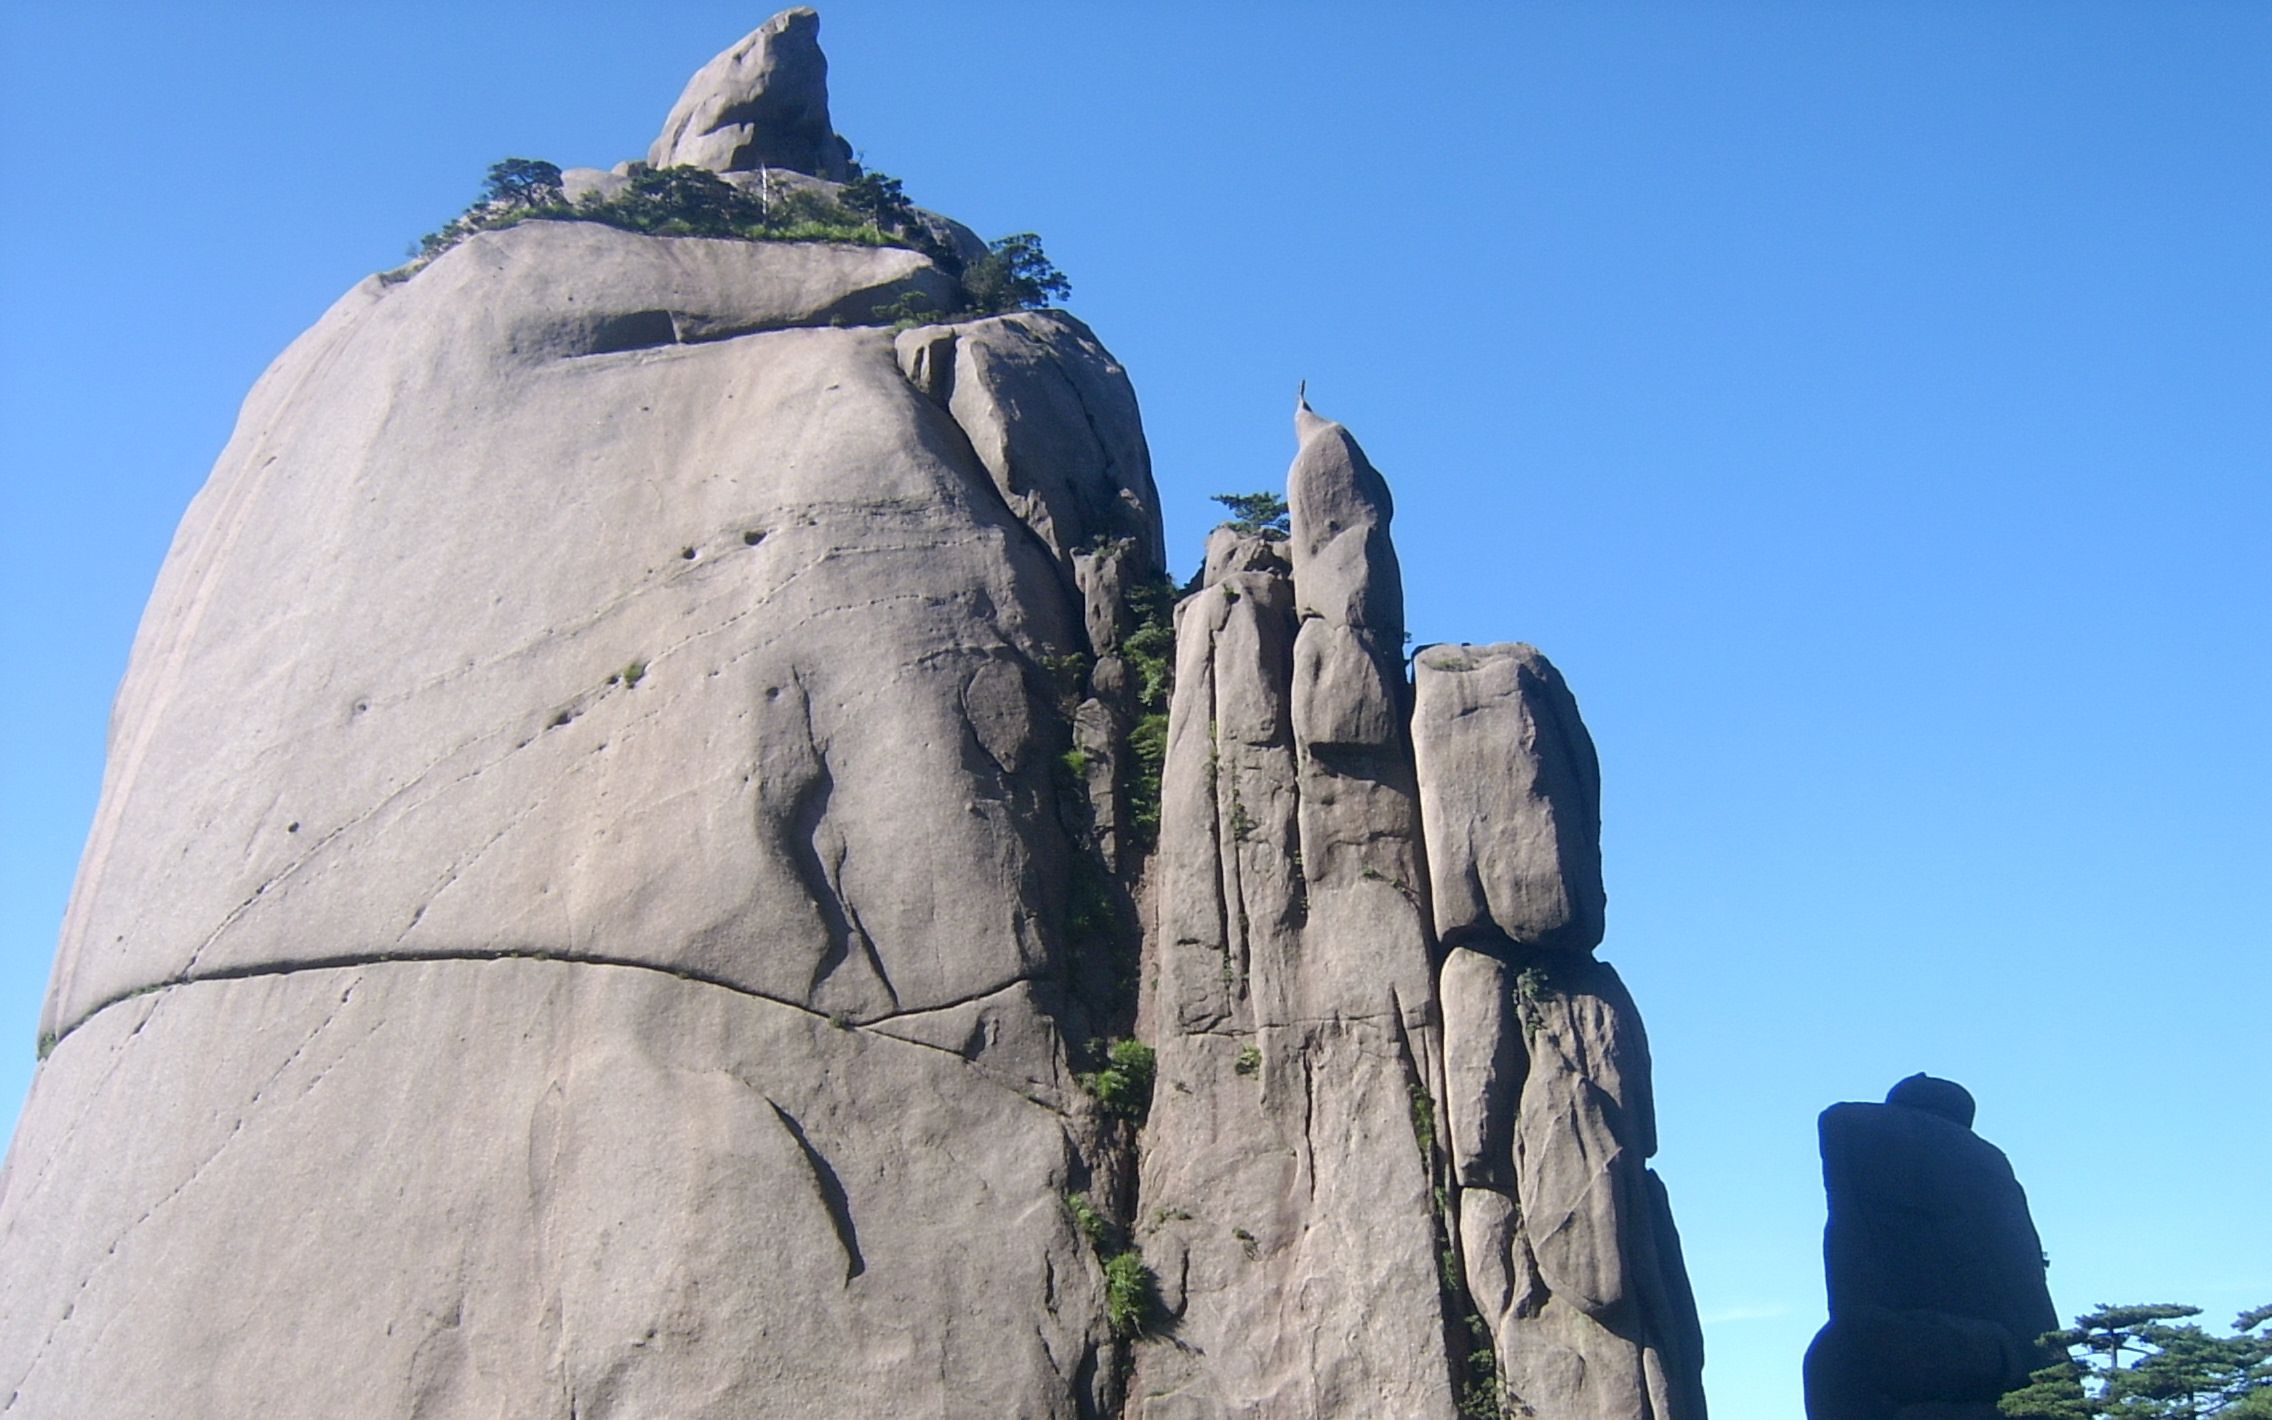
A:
x: 1936, y: 1276
x: 761, y: 104
x: 628, y: 828
x: 1402, y: 1110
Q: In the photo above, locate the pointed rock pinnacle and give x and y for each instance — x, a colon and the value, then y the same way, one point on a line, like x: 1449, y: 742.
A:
x: 761, y: 104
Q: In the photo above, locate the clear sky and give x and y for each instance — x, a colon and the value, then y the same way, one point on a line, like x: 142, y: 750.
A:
x: 1867, y: 405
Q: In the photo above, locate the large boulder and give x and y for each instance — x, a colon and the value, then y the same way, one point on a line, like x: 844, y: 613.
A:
x: 578, y: 919
x: 1511, y: 798
x: 482, y: 618
x: 1570, y: 1252
x: 761, y: 104
x: 1934, y: 1268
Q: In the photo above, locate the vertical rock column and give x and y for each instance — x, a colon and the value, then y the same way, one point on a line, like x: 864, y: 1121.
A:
x: 1288, y: 1166
x: 1566, y: 1236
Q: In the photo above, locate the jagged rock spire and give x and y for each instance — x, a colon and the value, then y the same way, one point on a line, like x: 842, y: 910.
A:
x: 761, y: 104
x: 1331, y: 976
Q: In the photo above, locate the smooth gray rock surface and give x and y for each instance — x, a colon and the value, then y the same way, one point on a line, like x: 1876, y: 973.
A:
x: 1047, y: 412
x: 1484, y: 1066
x: 1513, y: 808
x: 531, y: 1188
x: 762, y: 103
x: 1229, y: 550
x: 478, y: 769
x: 617, y: 853
x: 579, y: 916
x: 1340, y: 508
x: 1285, y: 1198
x: 1576, y: 1267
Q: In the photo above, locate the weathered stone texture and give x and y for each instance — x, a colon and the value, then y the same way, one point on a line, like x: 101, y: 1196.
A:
x: 1513, y: 809
x: 1300, y: 986
x: 1575, y: 1264
x: 1286, y: 1200
x: 573, y: 677
x: 580, y: 846
x: 531, y: 1188
x: 602, y: 882
x: 762, y: 103
x: 1044, y: 409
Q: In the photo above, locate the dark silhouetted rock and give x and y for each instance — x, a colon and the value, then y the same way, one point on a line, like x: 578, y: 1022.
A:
x: 1935, y: 1272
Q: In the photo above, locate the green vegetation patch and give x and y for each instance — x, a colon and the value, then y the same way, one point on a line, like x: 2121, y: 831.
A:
x: 1131, y: 1293
x: 1124, y: 1085
x: 1013, y: 274
x: 1261, y: 514
x: 1093, y: 1225
x: 2147, y: 1362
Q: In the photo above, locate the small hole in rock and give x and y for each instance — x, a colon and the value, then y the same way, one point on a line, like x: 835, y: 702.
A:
x: 752, y: 538
x: 292, y: 827
x: 687, y: 553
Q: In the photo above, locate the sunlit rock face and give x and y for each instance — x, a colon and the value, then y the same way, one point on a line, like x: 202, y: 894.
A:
x: 575, y: 920
x: 1397, y: 1158
x: 643, y: 792
x: 761, y: 104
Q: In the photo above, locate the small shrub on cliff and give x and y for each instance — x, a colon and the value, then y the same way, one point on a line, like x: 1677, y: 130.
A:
x: 1131, y: 1293
x: 1124, y: 1085
x: 1014, y: 275
x: 525, y: 183
x: 1090, y: 914
x: 1092, y: 1224
x: 1147, y: 762
x: 1423, y: 1121
x: 877, y: 197
x: 1149, y: 650
x: 674, y: 202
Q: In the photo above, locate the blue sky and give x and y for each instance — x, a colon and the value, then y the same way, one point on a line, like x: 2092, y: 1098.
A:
x: 1868, y: 406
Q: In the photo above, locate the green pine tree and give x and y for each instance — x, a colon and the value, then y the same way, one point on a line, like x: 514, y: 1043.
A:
x: 2147, y: 1362
x: 1262, y: 513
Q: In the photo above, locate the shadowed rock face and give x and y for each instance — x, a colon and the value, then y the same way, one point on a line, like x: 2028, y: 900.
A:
x: 616, y: 842
x: 1936, y: 1275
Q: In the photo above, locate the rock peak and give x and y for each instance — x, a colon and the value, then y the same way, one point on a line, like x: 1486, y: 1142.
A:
x: 1307, y: 421
x: 761, y: 104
